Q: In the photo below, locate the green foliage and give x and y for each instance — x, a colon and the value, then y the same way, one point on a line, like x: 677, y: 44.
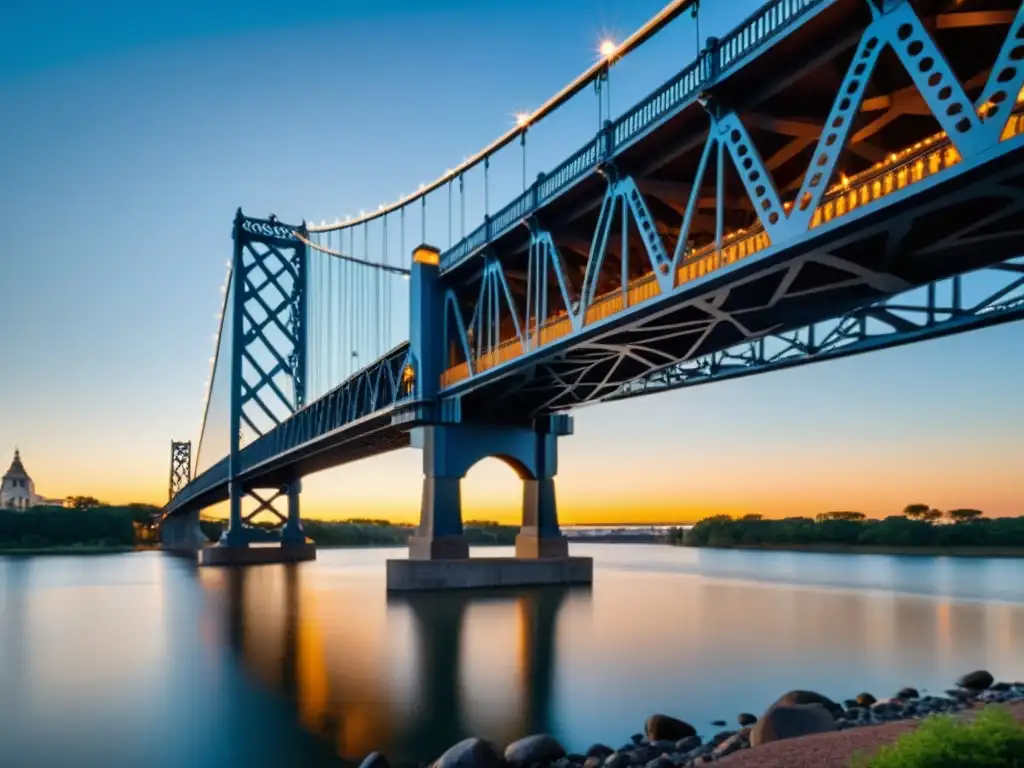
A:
x: 83, y: 502
x: 381, y: 533
x: 853, y: 529
x: 43, y: 527
x: 916, y: 510
x: 840, y: 516
x: 993, y: 740
x: 964, y: 515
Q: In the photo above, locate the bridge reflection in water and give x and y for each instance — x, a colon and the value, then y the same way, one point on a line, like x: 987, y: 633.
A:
x: 427, y: 671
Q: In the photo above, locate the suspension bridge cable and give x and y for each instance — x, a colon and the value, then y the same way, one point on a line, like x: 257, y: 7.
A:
x: 655, y: 24
x: 331, y: 380
x: 353, y: 259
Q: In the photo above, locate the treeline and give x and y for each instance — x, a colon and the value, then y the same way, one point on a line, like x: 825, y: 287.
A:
x: 918, y: 526
x: 58, y: 527
x: 362, y: 532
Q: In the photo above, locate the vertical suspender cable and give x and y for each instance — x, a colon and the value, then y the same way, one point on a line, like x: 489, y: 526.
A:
x: 330, y: 320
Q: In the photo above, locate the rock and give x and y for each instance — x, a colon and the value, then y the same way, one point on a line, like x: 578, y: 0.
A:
x: 539, y: 748
x: 660, y: 727
x: 688, y: 744
x: 643, y: 755
x: 976, y: 681
x: 1001, y: 687
x: 850, y: 703
x: 638, y: 738
x: 576, y: 757
x: 470, y: 753
x: 593, y: 762
x: 599, y: 750
x: 735, y: 742
x: 664, y: 746
x: 787, y: 721
x: 375, y: 760
x: 721, y: 736
x: 616, y: 760
x: 745, y: 719
x: 887, y: 710
x: 719, y: 723
x: 661, y: 761
x: 907, y: 693
x: 865, y: 699
x: 808, y: 697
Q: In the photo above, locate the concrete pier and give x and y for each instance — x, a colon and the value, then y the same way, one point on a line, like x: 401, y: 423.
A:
x: 485, y: 572
x: 258, y: 554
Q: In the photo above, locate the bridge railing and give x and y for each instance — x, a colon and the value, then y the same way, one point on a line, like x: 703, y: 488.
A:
x: 383, y: 384
x: 678, y: 92
x: 763, y: 24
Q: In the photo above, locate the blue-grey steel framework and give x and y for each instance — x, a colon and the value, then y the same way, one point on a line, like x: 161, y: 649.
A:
x: 972, y: 132
x: 181, y: 466
x: 268, y: 348
x: 693, y: 275
x: 938, y: 310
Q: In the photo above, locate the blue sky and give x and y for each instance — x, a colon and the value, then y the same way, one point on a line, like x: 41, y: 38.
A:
x: 131, y: 132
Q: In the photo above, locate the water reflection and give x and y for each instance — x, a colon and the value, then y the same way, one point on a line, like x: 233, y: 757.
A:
x: 142, y: 660
x: 433, y: 669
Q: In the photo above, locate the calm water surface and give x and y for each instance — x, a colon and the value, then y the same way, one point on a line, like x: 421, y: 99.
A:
x: 139, y: 659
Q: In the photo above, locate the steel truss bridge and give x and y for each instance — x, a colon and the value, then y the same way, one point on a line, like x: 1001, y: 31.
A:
x: 832, y: 177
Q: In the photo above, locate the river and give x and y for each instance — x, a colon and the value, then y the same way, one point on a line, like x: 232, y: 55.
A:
x: 143, y: 660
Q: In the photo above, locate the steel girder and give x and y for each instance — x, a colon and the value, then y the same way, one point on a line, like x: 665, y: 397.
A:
x: 501, y: 329
x: 939, y: 309
x: 268, y: 347
x: 374, y: 391
x: 181, y: 466
x: 762, y: 29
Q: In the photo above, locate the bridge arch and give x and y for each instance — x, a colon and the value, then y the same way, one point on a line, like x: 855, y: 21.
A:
x: 450, y: 451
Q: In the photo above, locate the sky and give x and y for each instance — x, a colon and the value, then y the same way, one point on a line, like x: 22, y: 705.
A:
x: 131, y: 132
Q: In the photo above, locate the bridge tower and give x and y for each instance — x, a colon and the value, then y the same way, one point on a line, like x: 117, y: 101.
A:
x: 180, y: 533
x: 181, y: 466
x: 268, y: 368
x: 452, y: 442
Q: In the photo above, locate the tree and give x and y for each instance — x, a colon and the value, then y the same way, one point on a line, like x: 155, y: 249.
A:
x: 850, y: 516
x: 82, y: 502
x: 932, y: 515
x: 917, y: 511
x: 753, y: 516
x: 964, y: 515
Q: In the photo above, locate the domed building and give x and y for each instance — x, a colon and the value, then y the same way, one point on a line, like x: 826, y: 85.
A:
x: 17, y: 491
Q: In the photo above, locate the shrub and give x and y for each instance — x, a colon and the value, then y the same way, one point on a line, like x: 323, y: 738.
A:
x: 993, y: 740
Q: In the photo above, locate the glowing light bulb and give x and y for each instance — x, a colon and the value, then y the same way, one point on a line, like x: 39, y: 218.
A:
x: 522, y: 119
x: 608, y: 48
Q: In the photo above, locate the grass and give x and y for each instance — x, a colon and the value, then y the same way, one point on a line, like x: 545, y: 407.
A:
x: 994, y: 739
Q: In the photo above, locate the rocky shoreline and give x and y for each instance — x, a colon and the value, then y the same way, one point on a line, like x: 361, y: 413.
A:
x: 668, y: 742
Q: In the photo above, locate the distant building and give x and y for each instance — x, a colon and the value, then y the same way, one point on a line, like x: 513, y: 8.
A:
x: 17, y: 491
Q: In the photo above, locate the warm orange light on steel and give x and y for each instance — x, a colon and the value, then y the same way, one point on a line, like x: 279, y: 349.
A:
x: 901, y: 169
x: 429, y: 256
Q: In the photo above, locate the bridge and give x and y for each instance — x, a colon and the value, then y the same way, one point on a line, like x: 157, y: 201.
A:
x: 832, y: 177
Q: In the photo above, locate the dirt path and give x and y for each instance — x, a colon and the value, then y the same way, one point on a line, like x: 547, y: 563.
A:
x: 827, y: 750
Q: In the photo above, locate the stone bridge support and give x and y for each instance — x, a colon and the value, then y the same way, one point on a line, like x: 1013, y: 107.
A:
x: 181, y: 533
x: 449, y: 451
